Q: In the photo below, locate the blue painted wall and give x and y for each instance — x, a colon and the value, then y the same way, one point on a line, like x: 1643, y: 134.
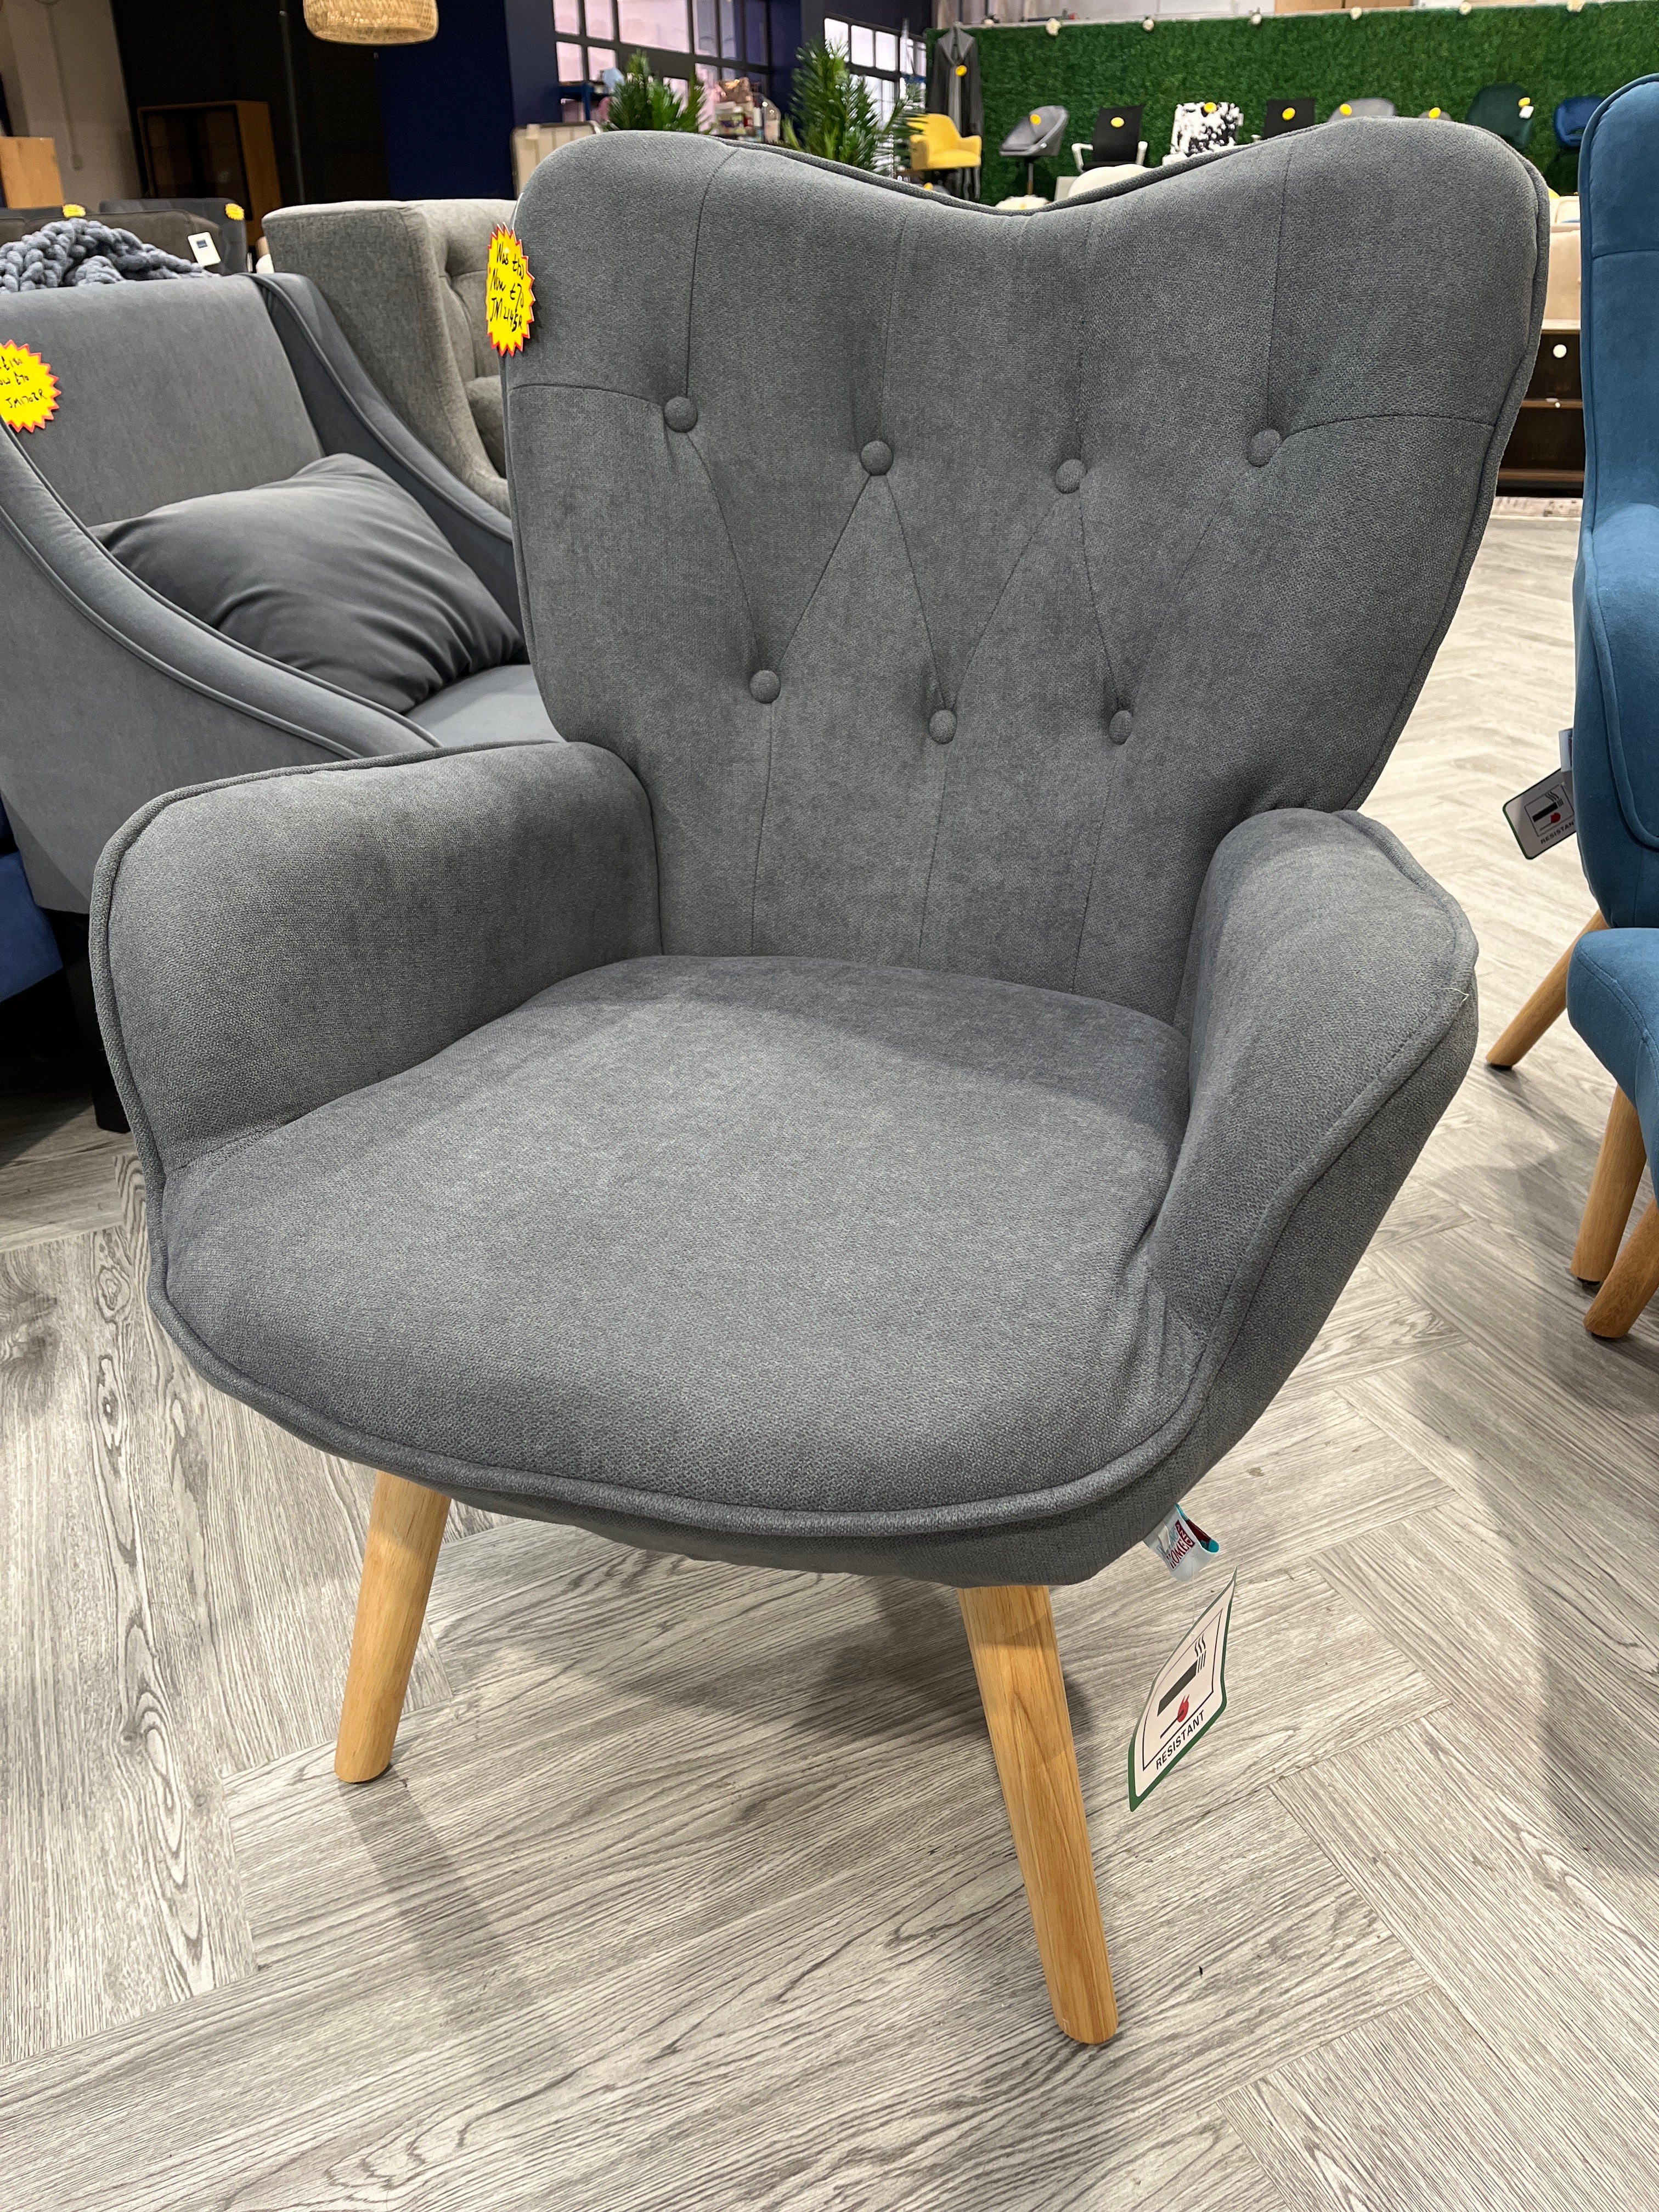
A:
x: 448, y: 107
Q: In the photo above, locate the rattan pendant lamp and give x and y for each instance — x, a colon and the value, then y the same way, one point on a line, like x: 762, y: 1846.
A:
x: 373, y: 22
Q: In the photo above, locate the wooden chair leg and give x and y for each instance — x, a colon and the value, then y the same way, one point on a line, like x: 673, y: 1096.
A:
x: 1618, y: 1166
x: 405, y: 1527
x: 1632, y: 1281
x: 1011, y: 1633
x: 1547, y: 1004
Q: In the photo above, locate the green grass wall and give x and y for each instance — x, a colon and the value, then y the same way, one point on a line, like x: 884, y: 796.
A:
x: 1417, y: 58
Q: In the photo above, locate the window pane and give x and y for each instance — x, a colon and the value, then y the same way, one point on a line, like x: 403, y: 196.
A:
x: 600, y: 58
x: 835, y: 33
x: 864, y: 45
x: 570, y: 65
x: 567, y: 17
x: 729, y: 30
x: 757, y: 12
x: 707, y: 31
x: 601, y: 19
x: 660, y: 23
x: 887, y: 51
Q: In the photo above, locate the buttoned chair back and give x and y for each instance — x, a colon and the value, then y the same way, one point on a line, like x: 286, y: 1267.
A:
x: 405, y: 279
x: 954, y: 600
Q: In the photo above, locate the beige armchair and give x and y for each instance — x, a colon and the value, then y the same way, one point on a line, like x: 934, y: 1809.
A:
x: 405, y: 279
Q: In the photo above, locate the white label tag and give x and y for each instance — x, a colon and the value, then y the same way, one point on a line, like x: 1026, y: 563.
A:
x: 1181, y: 1544
x: 202, y: 246
x: 1543, y: 816
x: 1189, y: 1695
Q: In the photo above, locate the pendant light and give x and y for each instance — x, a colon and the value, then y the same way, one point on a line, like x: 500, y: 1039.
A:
x: 373, y: 22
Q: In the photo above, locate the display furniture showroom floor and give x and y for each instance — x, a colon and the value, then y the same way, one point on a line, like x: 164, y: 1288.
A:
x: 690, y: 1885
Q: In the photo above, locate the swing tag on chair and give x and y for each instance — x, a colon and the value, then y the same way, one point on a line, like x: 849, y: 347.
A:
x: 1188, y: 1696
x: 1542, y: 816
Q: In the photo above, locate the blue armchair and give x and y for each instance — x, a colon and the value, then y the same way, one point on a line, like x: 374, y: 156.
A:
x: 29, y: 950
x: 1612, y: 985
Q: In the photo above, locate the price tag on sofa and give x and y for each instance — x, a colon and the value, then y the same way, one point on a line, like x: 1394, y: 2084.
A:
x: 1188, y: 1696
x: 28, y: 390
x: 1542, y: 816
x: 202, y: 246
x: 509, y: 294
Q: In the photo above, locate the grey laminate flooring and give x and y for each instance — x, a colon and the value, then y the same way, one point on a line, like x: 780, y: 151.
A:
x: 690, y: 1885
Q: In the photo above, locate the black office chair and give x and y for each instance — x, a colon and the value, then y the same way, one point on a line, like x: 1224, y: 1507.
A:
x: 1117, y: 138
x: 1035, y: 137
x: 1284, y: 115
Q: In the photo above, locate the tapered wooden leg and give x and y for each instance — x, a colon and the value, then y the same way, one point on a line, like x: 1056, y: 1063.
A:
x: 1547, y: 1004
x: 1011, y: 1633
x: 405, y: 1527
x: 1632, y: 1282
x: 1618, y: 1166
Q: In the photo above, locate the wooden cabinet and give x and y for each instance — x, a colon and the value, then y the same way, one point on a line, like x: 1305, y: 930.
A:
x: 215, y: 149
x: 1546, y: 452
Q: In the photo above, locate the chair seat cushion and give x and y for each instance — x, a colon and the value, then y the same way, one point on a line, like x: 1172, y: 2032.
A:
x: 335, y: 570
x: 501, y: 705
x: 709, y: 1240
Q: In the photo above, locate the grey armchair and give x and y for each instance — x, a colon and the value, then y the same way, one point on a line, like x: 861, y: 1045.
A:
x: 902, y: 1091
x: 113, y: 694
x: 406, y: 280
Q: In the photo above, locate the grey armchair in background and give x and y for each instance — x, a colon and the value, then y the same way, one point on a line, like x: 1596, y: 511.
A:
x: 405, y: 279
x: 113, y: 693
x: 900, y: 1093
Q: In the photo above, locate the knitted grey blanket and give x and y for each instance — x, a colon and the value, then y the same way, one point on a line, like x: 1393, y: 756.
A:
x: 82, y: 251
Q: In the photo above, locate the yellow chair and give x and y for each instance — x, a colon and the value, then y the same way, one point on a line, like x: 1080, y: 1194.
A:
x: 937, y: 144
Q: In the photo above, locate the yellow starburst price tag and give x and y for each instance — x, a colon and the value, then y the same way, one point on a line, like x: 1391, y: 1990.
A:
x: 509, y: 294
x: 28, y: 390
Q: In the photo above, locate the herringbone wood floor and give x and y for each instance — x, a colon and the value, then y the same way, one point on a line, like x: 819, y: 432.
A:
x: 690, y: 1885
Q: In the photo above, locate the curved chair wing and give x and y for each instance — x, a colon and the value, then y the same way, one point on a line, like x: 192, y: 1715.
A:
x: 1615, y: 754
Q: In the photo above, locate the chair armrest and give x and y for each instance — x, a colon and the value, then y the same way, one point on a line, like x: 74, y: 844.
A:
x: 351, y: 416
x: 1327, y: 980
x: 263, y: 946
x: 113, y: 693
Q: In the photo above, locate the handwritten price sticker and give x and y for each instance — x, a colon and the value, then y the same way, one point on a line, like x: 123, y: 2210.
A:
x: 509, y: 294
x: 28, y: 390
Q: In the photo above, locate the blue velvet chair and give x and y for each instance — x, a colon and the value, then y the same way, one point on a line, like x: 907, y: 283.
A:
x: 1613, y: 986
x: 29, y: 950
x: 1572, y: 117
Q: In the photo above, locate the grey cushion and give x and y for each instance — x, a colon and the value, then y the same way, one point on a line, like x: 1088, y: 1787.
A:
x: 168, y: 390
x: 335, y: 570
x: 503, y: 704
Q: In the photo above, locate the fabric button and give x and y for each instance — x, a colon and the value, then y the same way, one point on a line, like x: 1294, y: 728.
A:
x: 1119, y: 727
x: 764, y: 686
x: 681, y: 413
x: 943, y: 728
x: 877, y: 456
x: 1068, y: 476
x: 1263, y: 447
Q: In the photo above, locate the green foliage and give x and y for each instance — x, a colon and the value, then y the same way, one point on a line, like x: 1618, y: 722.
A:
x: 836, y: 114
x: 644, y: 102
x: 1417, y: 58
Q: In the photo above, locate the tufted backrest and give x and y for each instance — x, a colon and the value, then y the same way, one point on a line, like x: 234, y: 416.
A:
x: 165, y: 390
x: 461, y: 231
x: 954, y: 582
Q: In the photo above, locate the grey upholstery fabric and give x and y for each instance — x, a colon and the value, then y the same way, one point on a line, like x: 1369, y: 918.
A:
x: 231, y: 418
x: 334, y: 570
x: 405, y: 279
x: 113, y: 694
x: 1035, y: 1040
x: 1220, y: 602
x: 501, y: 705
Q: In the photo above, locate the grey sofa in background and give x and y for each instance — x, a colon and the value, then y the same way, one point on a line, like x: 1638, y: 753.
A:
x: 901, y: 1090
x: 113, y: 694
x: 405, y: 279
